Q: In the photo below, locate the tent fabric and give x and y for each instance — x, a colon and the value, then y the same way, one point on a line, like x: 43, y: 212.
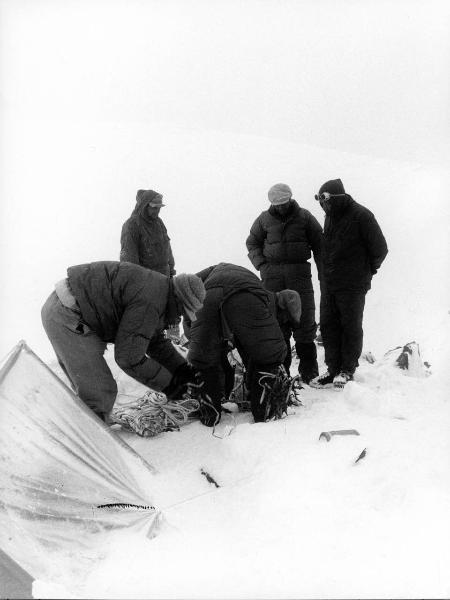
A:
x: 67, y: 482
x: 14, y: 581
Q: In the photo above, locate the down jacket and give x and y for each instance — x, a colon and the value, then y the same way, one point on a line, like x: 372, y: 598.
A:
x: 353, y: 247
x: 145, y: 242
x: 126, y: 305
x: 274, y: 239
x: 209, y: 334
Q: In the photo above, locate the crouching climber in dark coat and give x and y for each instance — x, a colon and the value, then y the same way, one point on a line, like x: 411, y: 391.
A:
x: 238, y: 312
x: 280, y: 244
x: 128, y: 306
x: 353, y: 250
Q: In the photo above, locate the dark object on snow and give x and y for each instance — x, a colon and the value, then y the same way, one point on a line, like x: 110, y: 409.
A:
x: 209, y: 412
x: 125, y: 506
x: 361, y: 456
x: 209, y: 479
x: 403, y: 360
x: 408, y: 359
x: 327, y: 435
x: 278, y: 392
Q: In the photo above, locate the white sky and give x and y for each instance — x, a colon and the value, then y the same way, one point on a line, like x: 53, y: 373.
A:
x: 357, y: 75
x: 210, y: 103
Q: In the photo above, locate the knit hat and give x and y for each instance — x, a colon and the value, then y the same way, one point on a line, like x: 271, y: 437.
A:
x: 289, y: 300
x: 191, y: 292
x: 150, y: 197
x: 280, y: 193
x: 334, y: 186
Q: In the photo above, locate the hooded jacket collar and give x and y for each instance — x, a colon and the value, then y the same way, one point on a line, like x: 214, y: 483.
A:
x: 340, y: 205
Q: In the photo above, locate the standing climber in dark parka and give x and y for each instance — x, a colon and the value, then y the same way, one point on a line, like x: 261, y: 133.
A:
x: 353, y: 250
x: 279, y: 246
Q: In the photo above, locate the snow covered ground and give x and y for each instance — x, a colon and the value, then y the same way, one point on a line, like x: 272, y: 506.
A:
x: 295, y: 517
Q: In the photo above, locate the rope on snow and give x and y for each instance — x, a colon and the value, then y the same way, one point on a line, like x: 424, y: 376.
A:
x: 154, y: 413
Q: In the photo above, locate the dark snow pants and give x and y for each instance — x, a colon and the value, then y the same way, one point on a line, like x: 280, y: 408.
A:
x: 259, y: 341
x: 341, y: 317
x: 79, y: 351
x: 281, y: 276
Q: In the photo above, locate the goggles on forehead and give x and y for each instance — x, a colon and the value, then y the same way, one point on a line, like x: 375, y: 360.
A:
x: 326, y: 196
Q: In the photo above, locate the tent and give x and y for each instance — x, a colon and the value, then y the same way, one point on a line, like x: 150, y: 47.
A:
x: 14, y: 581
x: 67, y: 482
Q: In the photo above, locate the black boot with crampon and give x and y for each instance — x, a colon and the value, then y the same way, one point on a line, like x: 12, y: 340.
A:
x: 209, y: 411
x: 279, y: 391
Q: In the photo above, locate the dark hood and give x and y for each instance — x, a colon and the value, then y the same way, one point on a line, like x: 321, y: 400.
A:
x: 143, y: 197
x: 339, y: 205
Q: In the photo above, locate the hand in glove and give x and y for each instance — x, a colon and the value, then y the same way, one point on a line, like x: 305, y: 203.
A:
x: 209, y: 411
x: 183, y: 376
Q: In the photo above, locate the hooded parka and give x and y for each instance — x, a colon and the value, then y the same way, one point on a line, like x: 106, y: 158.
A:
x: 354, y: 246
x: 144, y: 240
x: 353, y: 250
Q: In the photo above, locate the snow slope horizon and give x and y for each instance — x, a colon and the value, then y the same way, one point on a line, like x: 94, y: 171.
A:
x: 215, y: 184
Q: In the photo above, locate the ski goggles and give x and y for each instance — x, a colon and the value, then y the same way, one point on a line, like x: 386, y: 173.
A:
x: 326, y: 196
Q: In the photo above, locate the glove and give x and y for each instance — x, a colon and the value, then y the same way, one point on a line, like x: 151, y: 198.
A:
x: 183, y: 376
x: 209, y: 412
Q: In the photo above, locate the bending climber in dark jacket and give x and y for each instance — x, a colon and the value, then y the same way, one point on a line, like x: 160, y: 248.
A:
x: 279, y: 246
x: 238, y: 312
x: 144, y: 240
x: 128, y: 306
x: 353, y: 250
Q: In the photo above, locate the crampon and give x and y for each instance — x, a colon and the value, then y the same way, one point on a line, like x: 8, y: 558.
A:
x: 279, y: 392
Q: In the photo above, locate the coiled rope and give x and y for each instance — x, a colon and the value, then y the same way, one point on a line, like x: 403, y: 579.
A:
x: 153, y: 413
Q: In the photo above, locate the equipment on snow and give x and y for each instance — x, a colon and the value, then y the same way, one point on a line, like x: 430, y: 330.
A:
x: 125, y: 506
x: 154, y: 413
x: 279, y: 391
x: 408, y: 359
x: 361, y: 456
x: 239, y: 393
x: 327, y: 435
x: 209, y: 478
